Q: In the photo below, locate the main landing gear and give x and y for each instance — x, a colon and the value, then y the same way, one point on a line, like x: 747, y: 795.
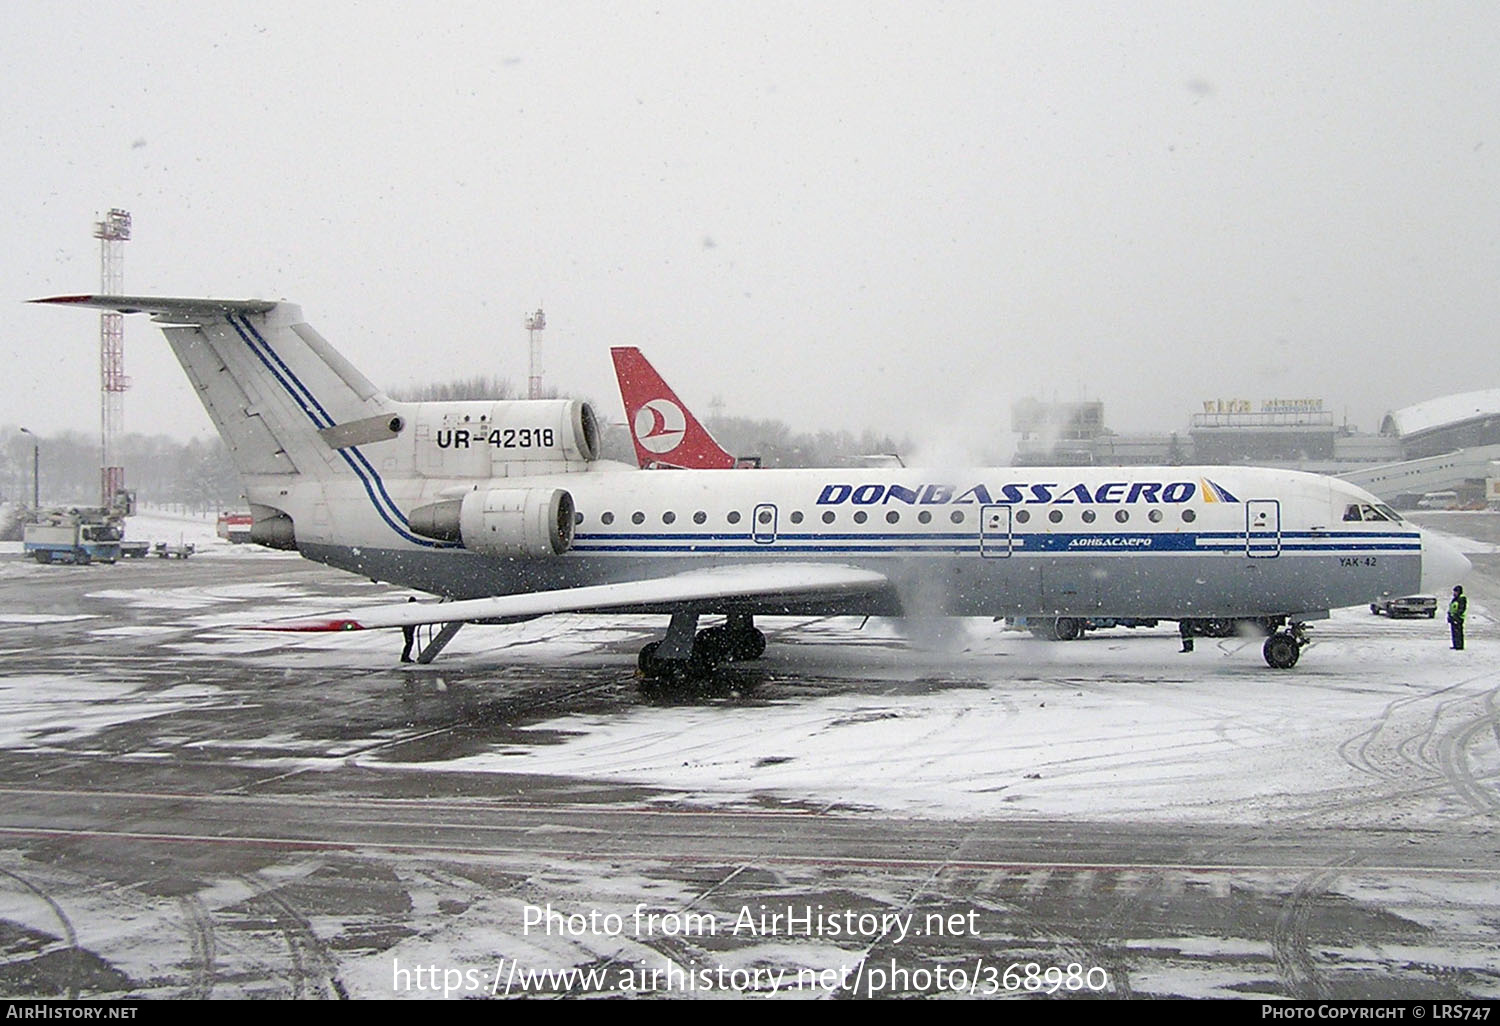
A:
x: 687, y: 653
x: 1283, y: 648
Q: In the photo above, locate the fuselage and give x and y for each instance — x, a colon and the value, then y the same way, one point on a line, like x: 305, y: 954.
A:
x: 1165, y: 542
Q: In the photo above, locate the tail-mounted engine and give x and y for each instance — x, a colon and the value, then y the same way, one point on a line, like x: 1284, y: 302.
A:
x: 502, y: 521
x: 503, y: 438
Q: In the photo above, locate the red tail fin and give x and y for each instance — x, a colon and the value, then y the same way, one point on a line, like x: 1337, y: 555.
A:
x: 665, y: 431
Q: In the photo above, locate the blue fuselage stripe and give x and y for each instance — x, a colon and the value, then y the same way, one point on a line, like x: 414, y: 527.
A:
x: 1124, y: 543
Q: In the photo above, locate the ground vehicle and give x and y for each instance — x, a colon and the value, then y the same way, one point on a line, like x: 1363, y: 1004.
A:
x: 234, y: 527
x: 1069, y: 628
x: 1405, y: 605
x: 165, y: 550
x: 72, y: 538
x: 135, y: 549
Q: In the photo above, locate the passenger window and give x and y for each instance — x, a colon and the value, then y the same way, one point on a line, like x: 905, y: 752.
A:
x: 1023, y: 516
x: 637, y: 517
x: 957, y: 516
x: 1055, y: 516
x: 669, y: 517
x: 1188, y: 516
x: 1088, y: 516
x: 1154, y: 516
x: 577, y: 518
x: 861, y: 516
x: 734, y: 516
x: 607, y: 518
x: 892, y: 517
x: 1122, y: 515
x: 700, y: 517
x: 797, y: 516
x: 765, y: 516
x: 924, y: 517
x: 828, y: 516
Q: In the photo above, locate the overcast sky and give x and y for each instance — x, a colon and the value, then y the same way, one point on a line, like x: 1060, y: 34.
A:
x: 900, y: 216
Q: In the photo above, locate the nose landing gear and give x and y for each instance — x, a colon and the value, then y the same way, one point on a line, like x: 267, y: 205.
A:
x: 1283, y: 648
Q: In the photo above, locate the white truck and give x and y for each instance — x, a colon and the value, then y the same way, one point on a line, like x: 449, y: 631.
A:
x: 72, y: 538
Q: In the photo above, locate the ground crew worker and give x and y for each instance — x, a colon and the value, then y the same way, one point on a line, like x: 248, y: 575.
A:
x: 1185, y: 628
x: 1458, y: 610
x: 409, y: 636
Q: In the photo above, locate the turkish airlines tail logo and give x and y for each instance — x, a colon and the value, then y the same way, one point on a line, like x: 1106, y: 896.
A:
x: 660, y: 425
x: 664, y: 431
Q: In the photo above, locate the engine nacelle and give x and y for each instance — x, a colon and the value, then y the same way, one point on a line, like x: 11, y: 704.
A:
x: 502, y: 438
x: 502, y: 521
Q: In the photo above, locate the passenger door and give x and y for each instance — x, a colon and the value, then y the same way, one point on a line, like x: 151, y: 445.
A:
x: 994, y: 531
x: 763, y: 524
x: 1263, y: 528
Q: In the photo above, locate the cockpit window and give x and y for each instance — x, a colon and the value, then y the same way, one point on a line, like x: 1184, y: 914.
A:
x: 1351, y: 512
x: 1390, y: 514
x: 1366, y: 511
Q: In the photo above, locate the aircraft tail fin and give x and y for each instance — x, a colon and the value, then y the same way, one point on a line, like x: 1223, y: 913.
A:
x: 284, y: 401
x: 665, y: 432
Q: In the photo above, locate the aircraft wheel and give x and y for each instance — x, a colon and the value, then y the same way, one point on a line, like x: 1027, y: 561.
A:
x: 700, y: 664
x: 43, y: 556
x: 747, y: 645
x: 713, y: 644
x: 649, y: 665
x: 84, y: 559
x: 1281, y: 651
x: 1067, y: 629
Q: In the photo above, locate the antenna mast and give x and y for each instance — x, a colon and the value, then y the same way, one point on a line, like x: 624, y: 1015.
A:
x: 534, y: 325
x: 112, y: 232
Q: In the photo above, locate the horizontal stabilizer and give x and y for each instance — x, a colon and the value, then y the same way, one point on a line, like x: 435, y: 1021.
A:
x: 701, y: 590
x: 163, y: 308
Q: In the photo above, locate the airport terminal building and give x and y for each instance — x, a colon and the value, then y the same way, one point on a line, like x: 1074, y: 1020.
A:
x: 1441, y: 445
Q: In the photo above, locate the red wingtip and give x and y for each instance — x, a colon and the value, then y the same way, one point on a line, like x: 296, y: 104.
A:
x: 310, y: 626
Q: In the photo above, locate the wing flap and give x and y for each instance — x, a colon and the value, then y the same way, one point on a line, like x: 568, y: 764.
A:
x: 696, y: 588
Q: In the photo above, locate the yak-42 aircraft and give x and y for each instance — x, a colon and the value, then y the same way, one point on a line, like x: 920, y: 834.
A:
x: 504, y: 511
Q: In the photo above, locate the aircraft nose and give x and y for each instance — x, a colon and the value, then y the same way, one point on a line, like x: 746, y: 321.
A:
x: 1443, y: 566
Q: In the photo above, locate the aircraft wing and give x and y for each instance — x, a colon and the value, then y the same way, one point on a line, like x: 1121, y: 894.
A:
x: 705, y: 590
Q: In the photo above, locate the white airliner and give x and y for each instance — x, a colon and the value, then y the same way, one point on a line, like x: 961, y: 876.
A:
x: 503, y: 510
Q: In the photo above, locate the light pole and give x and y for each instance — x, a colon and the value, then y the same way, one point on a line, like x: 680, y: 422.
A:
x: 36, y: 462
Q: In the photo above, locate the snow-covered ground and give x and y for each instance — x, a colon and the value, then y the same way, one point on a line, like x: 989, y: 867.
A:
x: 1380, y: 725
x: 1119, y: 725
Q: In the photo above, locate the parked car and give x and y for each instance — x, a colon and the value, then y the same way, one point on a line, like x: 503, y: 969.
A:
x: 1405, y: 605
